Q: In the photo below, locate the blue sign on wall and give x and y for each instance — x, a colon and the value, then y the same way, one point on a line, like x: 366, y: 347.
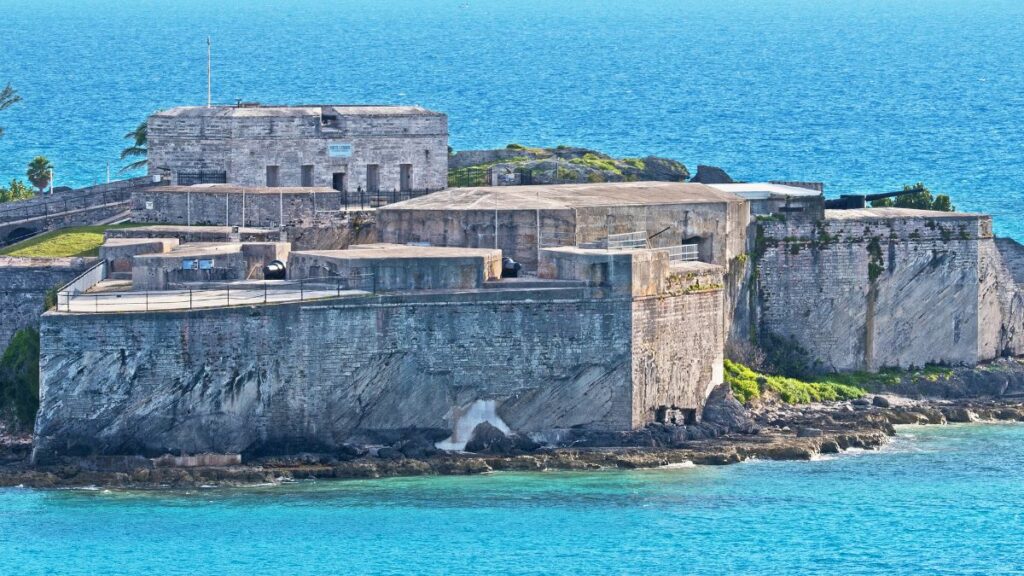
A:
x: 339, y: 150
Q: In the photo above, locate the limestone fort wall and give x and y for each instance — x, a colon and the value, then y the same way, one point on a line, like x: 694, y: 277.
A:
x: 861, y: 293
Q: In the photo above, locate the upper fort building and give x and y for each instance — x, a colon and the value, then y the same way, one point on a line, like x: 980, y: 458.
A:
x: 348, y: 148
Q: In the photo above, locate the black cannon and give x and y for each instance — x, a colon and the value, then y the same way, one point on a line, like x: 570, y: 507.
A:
x: 854, y: 201
x: 510, y: 268
x: 274, y: 271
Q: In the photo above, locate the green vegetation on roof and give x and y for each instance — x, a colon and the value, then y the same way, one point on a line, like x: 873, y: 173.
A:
x: 79, y: 241
x: 749, y: 385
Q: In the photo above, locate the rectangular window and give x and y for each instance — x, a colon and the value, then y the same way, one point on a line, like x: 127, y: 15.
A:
x: 307, y: 175
x: 405, y: 177
x: 372, y: 178
x: 273, y: 176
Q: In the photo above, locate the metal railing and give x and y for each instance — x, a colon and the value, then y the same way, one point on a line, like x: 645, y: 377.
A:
x: 247, y: 294
x: 681, y: 253
x: 59, y: 202
x: 83, y: 282
x: 627, y: 241
x: 362, y: 199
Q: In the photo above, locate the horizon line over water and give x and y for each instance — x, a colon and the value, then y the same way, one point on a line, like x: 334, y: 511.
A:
x: 864, y: 95
x: 938, y: 500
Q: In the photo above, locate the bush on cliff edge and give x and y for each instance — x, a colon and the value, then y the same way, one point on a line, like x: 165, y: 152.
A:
x: 19, y: 380
x: 748, y: 386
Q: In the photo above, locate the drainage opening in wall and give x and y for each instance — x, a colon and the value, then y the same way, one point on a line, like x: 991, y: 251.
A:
x: 677, y: 416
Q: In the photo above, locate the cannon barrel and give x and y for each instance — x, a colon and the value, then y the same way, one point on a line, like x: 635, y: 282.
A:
x: 853, y: 201
x: 879, y: 196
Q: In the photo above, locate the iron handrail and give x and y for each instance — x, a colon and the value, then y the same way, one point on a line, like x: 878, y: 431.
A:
x: 153, y: 300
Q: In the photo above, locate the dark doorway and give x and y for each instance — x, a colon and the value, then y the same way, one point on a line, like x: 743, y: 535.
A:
x: 307, y: 175
x: 338, y: 181
x: 405, y: 178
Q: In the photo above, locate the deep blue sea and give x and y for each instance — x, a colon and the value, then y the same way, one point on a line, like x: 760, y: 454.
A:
x: 865, y: 95
x: 938, y: 500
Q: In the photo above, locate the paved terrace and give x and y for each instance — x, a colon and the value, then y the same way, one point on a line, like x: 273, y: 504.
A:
x: 562, y: 196
x: 115, y: 296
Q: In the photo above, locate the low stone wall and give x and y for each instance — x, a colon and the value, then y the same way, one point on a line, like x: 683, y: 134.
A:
x: 23, y: 286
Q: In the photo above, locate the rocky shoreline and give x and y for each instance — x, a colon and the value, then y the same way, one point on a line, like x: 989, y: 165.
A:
x: 769, y: 432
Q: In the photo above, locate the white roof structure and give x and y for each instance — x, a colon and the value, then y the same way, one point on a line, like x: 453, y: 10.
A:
x: 765, y: 190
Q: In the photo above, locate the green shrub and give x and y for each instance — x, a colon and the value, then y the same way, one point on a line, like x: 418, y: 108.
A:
x: 597, y: 162
x: 19, y: 379
x: 748, y: 385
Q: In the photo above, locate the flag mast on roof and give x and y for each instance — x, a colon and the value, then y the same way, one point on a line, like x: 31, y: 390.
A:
x: 209, y: 75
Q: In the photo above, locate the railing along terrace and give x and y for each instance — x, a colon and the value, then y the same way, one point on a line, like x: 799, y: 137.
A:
x: 627, y: 241
x: 59, y: 202
x: 681, y: 253
x: 364, y: 199
x: 192, y: 298
x: 83, y: 282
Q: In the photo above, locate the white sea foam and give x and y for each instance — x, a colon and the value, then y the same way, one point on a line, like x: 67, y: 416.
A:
x: 675, y: 465
x: 467, y: 419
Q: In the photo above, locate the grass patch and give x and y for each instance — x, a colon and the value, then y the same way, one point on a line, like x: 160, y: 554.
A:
x: 596, y: 162
x: 79, y: 241
x: 748, y: 385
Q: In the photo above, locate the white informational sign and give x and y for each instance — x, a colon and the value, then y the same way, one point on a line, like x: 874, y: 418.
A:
x: 149, y: 204
x: 339, y: 150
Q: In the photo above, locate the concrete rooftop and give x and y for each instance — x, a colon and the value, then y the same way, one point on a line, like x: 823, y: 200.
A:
x: 296, y: 111
x: 236, y: 189
x: 764, y: 190
x: 880, y: 213
x: 399, y: 251
x: 563, y: 196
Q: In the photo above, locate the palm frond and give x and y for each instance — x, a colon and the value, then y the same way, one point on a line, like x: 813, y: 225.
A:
x: 8, y: 97
x: 137, y: 165
x: 133, y: 151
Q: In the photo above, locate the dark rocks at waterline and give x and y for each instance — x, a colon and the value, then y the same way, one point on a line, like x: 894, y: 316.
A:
x: 488, y: 439
x: 808, y: 432
x: 959, y: 414
x: 711, y: 175
x: 723, y: 409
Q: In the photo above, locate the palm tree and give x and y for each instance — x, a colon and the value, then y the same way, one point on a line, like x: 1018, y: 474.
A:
x: 8, y: 97
x: 39, y: 171
x: 138, y: 149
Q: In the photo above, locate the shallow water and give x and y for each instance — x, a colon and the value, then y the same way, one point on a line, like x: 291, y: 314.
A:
x: 938, y: 500
x: 865, y: 95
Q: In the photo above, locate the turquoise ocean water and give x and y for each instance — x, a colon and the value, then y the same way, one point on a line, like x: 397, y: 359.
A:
x: 863, y: 94
x: 939, y: 500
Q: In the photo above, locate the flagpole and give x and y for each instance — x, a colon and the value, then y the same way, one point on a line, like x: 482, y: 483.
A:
x: 209, y: 74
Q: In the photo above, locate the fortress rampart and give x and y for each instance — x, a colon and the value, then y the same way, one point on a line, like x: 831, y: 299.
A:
x: 281, y: 378
x: 867, y: 289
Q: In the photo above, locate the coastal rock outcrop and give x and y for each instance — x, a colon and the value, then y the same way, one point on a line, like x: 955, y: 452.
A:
x: 523, y: 165
x: 711, y: 175
x: 723, y: 409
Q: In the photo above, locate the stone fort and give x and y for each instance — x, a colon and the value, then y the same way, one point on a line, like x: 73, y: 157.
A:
x: 538, y: 309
